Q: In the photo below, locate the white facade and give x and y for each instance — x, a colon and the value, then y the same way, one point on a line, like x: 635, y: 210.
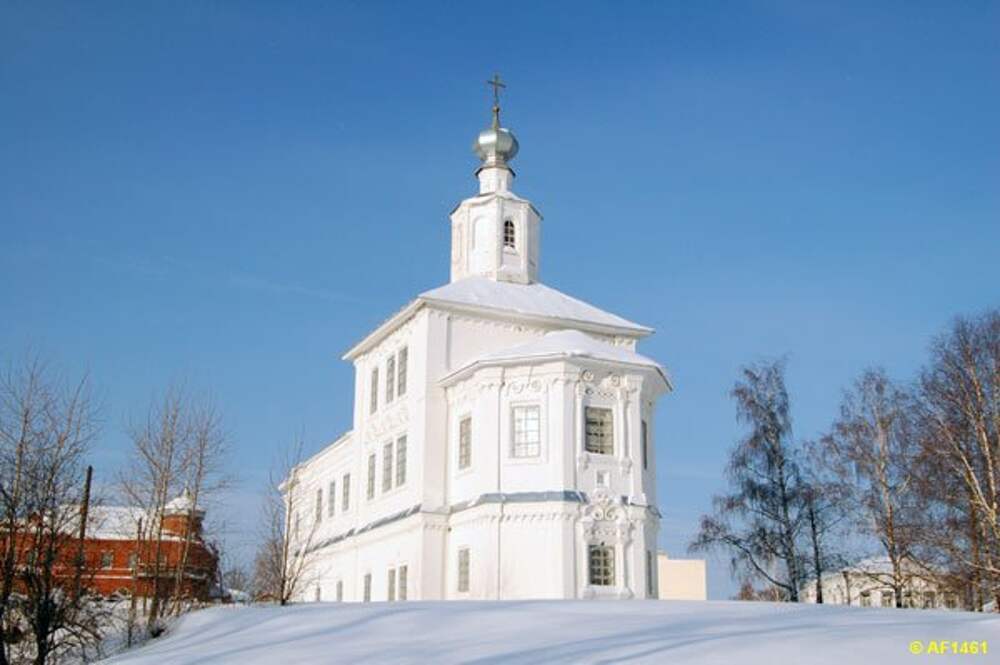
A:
x: 472, y: 404
x: 869, y: 584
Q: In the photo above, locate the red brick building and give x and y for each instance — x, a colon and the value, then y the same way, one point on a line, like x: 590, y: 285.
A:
x: 121, y: 560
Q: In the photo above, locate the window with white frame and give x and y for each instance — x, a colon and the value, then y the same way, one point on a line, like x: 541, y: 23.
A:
x: 391, y: 585
x: 370, y: 490
x: 599, y: 430
x: 509, y: 236
x: 866, y: 599
x: 402, y: 582
x: 645, y: 445
x: 387, y: 467
x: 373, y: 407
x: 340, y: 591
x: 319, y: 504
x: 367, y: 588
x: 331, y: 499
x: 888, y: 598
x: 401, y: 372
x: 345, y: 504
x: 465, y: 443
x: 601, y: 560
x: 401, y: 460
x: 390, y: 379
x: 526, y: 440
x: 463, y: 569
x: 107, y: 559
x: 133, y: 559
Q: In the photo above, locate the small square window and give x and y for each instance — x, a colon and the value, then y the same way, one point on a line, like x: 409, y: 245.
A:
x: 602, y: 479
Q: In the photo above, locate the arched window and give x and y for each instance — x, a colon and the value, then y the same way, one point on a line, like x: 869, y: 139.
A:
x: 508, y: 234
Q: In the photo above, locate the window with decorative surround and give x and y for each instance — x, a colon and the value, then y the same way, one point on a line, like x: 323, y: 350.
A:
x: 390, y: 379
x: 387, y: 467
x: 370, y: 490
x: 601, y: 559
x: 373, y: 407
x: 465, y: 443
x: 463, y: 569
x: 599, y: 430
x: 526, y: 440
x: 401, y: 460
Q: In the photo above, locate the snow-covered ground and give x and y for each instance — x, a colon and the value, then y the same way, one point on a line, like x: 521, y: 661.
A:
x: 562, y: 632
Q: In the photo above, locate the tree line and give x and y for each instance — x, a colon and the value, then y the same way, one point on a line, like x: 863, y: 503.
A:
x: 908, y: 471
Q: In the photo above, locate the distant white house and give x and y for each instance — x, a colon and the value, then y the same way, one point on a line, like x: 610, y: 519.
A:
x: 868, y: 584
x: 503, y: 436
x: 681, y: 579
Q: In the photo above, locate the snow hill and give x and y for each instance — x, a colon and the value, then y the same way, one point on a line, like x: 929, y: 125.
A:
x: 561, y: 632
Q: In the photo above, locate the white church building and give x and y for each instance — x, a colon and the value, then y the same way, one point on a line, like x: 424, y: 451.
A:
x: 503, y: 436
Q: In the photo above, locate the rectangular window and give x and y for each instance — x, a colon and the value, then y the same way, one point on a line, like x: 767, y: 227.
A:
x: 295, y: 530
x: 331, y: 496
x: 402, y: 582
x: 133, y: 560
x: 866, y: 599
x: 374, y: 403
x: 340, y: 591
x: 391, y: 594
x: 527, y: 432
x: 400, y: 461
x: 107, y: 559
x: 888, y: 599
x: 319, y: 594
x: 387, y: 467
x: 401, y: 372
x: 465, y: 443
x: 390, y: 379
x: 930, y: 600
x: 368, y: 587
x: 645, y: 446
x: 650, y: 589
x: 599, y: 431
x: 370, y: 492
x: 602, y: 478
x: 345, y: 504
x: 319, y: 505
x: 602, y: 565
x: 463, y: 569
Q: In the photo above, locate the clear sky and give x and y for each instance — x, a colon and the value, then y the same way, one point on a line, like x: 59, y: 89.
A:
x: 232, y: 194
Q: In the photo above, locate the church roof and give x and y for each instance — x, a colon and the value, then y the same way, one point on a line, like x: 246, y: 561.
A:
x: 565, y: 344
x: 534, y: 301
x: 531, y: 299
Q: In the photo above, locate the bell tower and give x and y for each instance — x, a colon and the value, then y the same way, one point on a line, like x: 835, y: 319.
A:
x: 495, y: 233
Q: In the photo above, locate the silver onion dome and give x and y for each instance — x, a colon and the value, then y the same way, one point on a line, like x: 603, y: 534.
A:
x: 496, y: 145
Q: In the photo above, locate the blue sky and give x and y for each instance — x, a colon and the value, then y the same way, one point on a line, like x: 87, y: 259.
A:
x: 232, y: 194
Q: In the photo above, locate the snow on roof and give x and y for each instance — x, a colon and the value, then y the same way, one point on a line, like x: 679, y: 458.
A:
x: 566, y: 344
x: 113, y: 522
x: 530, y: 299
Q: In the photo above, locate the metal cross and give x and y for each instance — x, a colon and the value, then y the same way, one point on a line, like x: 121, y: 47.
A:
x: 497, y: 84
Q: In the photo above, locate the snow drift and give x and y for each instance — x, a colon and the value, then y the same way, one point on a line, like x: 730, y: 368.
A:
x: 561, y: 632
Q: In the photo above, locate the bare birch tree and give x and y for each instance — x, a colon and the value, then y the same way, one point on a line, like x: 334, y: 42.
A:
x: 871, y: 449
x: 287, y: 532
x: 758, y: 523
x: 46, y: 429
